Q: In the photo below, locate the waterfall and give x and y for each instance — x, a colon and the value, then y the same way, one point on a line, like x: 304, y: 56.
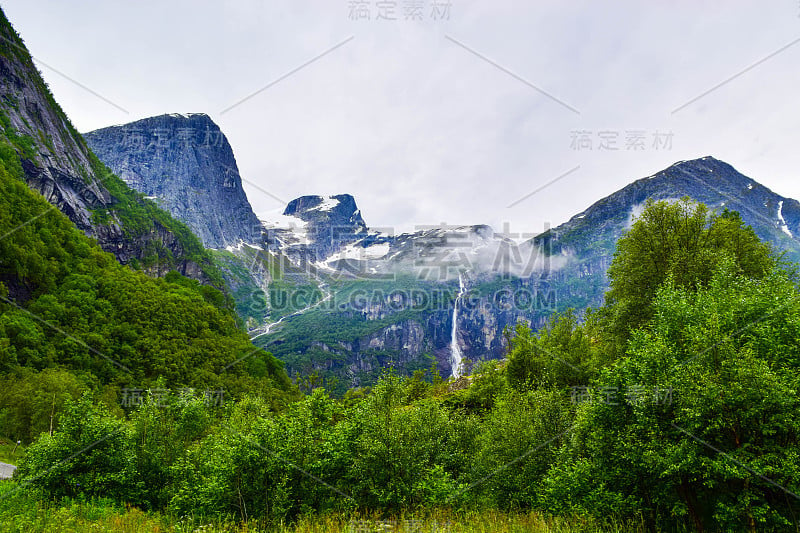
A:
x: 455, y: 349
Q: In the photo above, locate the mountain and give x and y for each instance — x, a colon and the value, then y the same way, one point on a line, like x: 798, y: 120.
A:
x: 58, y: 164
x: 373, y: 299
x: 326, y: 294
x: 186, y: 165
x: 392, y: 298
x: 588, y: 239
x: 312, y: 228
x: 66, y: 304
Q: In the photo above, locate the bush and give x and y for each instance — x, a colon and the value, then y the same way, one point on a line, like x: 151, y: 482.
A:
x: 91, y: 455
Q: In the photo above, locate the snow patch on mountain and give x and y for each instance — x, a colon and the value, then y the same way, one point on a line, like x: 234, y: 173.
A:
x: 328, y: 203
x: 782, y: 222
x: 276, y: 220
x: 356, y: 251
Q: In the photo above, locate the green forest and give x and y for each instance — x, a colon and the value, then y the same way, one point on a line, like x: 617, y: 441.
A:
x: 139, y: 404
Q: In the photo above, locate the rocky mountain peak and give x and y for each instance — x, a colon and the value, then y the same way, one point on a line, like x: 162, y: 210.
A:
x: 715, y: 183
x: 703, y: 170
x: 339, y: 211
x: 186, y: 165
x: 319, y: 226
x: 331, y: 222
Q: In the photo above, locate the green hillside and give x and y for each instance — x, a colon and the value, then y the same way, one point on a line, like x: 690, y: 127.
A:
x: 66, y: 303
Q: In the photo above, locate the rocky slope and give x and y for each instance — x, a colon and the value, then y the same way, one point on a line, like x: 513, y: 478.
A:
x: 186, y: 165
x: 59, y: 165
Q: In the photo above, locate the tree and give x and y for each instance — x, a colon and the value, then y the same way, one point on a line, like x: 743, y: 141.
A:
x: 163, y: 427
x: 91, y: 454
x: 682, y: 241
x: 32, y: 402
x: 401, y: 456
x: 560, y: 355
x: 702, y: 422
x: 518, y: 443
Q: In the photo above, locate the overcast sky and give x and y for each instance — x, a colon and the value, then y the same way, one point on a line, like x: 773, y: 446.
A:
x: 455, y: 118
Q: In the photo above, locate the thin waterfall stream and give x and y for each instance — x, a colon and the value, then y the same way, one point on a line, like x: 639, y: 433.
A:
x: 455, y: 349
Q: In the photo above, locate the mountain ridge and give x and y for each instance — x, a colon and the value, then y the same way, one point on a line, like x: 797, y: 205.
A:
x: 707, y: 180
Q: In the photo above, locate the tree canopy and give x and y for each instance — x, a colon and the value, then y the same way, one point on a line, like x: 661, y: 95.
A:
x: 684, y: 242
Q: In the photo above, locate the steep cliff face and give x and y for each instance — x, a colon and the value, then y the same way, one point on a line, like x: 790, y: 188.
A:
x: 59, y: 165
x: 406, y: 344
x: 186, y: 165
x: 406, y: 323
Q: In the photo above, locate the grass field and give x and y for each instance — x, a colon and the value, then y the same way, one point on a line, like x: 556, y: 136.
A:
x: 21, y: 512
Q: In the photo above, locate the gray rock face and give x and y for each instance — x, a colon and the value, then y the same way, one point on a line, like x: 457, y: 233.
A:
x: 58, y: 164
x: 186, y: 165
x: 332, y: 221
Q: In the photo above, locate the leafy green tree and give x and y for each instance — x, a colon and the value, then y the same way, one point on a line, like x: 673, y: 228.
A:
x: 416, y: 387
x: 163, y: 427
x: 272, y: 467
x: 489, y: 382
x: 682, y: 241
x: 698, y: 422
x: 560, y: 355
x: 202, y: 478
x: 32, y: 402
x: 398, y: 452
x: 517, y: 444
